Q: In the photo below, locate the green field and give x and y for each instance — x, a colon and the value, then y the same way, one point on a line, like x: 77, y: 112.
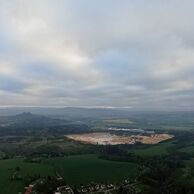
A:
x: 75, y: 170
x: 159, y: 149
x: 177, y: 128
x: 87, y: 168
x: 118, y: 121
x: 188, y: 149
x: 7, y: 168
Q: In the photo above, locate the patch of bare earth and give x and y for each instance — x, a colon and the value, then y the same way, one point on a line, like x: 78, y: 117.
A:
x: 111, y: 139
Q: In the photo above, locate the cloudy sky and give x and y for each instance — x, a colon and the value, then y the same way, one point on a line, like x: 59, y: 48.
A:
x: 129, y: 53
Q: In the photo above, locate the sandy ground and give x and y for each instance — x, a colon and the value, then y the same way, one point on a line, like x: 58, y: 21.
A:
x: 110, y: 139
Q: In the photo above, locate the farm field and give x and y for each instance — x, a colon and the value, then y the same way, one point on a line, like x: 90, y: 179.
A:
x: 118, y: 121
x: 74, y: 169
x: 153, y: 150
x: 86, y: 168
x: 7, y: 168
x: 188, y: 149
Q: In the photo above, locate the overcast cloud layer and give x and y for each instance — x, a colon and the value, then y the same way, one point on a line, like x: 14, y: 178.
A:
x: 128, y: 53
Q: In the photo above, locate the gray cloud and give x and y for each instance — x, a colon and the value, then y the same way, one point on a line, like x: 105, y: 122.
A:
x: 97, y: 53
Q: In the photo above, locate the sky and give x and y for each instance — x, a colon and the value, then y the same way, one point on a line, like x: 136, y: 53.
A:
x: 94, y: 53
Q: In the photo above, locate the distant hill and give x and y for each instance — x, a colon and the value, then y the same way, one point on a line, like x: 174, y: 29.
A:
x: 70, y: 119
x: 28, y: 123
x: 27, y: 117
x: 69, y: 112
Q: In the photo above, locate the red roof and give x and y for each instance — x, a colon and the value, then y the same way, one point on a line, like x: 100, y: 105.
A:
x: 29, y: 190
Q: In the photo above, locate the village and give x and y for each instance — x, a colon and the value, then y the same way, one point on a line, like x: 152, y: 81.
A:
x: 91, y: 188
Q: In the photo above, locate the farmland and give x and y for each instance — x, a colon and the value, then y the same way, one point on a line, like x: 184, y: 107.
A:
x: 8, y: 167
x: 74, y: 169
x: 139, y: 148
x: 154, y: 150
x: 117, y: 121
x: 86, y: 168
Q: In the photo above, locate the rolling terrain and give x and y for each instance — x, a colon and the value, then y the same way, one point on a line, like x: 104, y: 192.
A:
x: 34, y: 146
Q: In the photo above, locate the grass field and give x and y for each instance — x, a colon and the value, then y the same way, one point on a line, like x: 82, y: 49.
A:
x: 118, y: 121
x: 7, y: 167
x: 159, y: 149
x: 177, y: 128
x: 75, y: 170
x: 188, y: 149
x: 86, y: 168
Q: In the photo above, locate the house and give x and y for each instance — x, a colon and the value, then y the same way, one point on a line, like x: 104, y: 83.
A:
x: 28, y: 190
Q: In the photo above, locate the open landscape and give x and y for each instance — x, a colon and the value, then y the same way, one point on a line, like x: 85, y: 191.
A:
x: 75, y: 170
x: 93, y: 156
x: 96, y: 97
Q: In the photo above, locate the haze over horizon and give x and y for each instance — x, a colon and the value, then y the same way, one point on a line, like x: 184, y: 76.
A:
x: 97, y: 53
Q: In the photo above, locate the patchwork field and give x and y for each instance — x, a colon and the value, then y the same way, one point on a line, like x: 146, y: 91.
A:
x: 111, y: 139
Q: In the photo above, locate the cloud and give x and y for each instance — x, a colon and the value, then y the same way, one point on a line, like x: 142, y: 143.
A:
x: 97, y: 53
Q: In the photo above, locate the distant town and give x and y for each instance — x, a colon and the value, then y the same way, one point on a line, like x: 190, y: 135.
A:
x: 91, y: 188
